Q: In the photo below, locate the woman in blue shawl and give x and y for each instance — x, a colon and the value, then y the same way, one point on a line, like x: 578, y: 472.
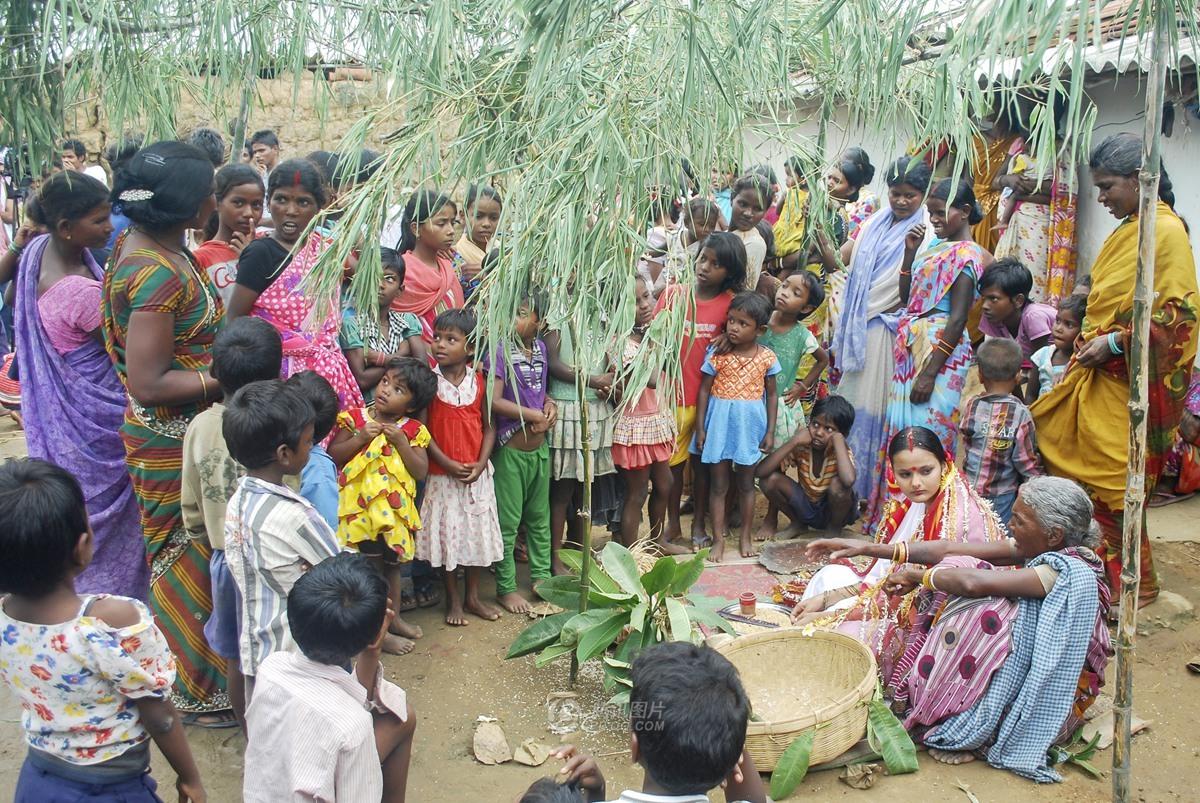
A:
x: 866, y: 331
x: 72, y: 400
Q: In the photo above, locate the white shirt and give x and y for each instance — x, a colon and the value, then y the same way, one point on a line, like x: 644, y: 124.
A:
x: 630, y: 796
x: 756, y: 254
x: 96, y: 172
x: 310, y: 735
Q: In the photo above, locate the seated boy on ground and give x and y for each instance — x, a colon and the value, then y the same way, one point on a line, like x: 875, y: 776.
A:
x: 688, y: 716
x: 824, y: 498
x: 318, y: 729
x: 247, y: 350
x: 272, y: 534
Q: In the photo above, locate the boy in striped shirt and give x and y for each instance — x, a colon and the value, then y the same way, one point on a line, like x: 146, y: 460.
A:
x: 997, y: 430
x: 272, y: 534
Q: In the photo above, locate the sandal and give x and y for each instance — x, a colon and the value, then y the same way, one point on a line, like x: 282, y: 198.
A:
x: 427, y: 594
x: 218, y: 720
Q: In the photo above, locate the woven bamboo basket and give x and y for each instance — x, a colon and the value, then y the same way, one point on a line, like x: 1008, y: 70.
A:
x: 796, y: 682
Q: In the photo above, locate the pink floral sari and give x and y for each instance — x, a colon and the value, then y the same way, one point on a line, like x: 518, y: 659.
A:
x: 309, y: 327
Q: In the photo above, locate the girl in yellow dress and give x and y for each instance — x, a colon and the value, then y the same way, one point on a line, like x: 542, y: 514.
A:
x: 381, y: 452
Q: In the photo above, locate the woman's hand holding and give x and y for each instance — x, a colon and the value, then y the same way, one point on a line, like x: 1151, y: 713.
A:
x: 902, y: 581
x: 1094, y: 353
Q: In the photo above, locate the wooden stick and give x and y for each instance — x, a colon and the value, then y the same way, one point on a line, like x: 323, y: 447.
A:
x: 585, y: 508
x: 1139, y: 356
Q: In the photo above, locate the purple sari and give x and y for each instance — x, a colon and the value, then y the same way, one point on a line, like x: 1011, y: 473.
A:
x: 74, y: 406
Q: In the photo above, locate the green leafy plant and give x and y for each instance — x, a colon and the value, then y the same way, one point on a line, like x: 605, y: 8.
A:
x: 1078, y: 753
x: 627, y: 610
x: 887, y: 737
x: 792, y: 766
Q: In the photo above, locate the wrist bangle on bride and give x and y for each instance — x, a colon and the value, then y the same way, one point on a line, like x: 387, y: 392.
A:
x: 927, y: 580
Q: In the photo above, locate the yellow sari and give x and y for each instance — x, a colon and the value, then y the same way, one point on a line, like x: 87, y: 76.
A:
x: 1083, y: 423
x: 988, y: 160
x: 793, y: 220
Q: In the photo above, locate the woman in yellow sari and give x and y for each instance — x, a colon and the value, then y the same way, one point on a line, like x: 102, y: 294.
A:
x: 1090, y: 405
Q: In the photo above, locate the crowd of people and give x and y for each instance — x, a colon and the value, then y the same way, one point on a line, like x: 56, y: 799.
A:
x: 209, y: 439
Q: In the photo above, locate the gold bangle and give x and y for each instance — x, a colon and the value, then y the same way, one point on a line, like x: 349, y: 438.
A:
x: 203, y: 387
x: 927, y: 580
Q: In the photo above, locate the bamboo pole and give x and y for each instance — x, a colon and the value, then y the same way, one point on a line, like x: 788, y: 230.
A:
x: 1139, y: 356
x: 585, y: 507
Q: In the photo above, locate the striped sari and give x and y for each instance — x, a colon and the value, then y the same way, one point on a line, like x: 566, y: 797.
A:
x: 180, y: 587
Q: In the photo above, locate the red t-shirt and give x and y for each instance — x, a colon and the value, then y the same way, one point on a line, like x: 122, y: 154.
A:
x: 709, y: 318
x: 220, y: 262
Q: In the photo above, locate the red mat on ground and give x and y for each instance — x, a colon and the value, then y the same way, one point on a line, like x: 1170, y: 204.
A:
x: 729, y: 581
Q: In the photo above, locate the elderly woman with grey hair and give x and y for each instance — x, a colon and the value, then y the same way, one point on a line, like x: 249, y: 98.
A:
x: 995, y: 661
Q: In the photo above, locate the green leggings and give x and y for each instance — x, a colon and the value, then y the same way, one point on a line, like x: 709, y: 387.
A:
x: 522, y: 482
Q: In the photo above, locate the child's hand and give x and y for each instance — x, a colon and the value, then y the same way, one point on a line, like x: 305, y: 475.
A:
x: 371, y: 430
x: 191, y: 791
x: 701, y: 436
x: 602, y: 384
x: 768, y: 443
x: 912, y: 240
x: 456, y: 469
x: 474, y: 472
x: 720, y: 344
x: 240, y: 240
x: 535, y: 420
x: 795, y: 393
x: 395, y: 436
x: 582, y: 769
x: 550, y: 410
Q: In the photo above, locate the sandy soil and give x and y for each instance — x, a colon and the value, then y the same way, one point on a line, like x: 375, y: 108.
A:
x: 459, y: 674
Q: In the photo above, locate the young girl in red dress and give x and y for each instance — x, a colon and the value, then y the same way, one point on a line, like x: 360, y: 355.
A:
x: 459, y: 515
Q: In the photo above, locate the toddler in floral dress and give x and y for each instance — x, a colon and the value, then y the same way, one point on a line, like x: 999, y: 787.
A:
x: 93, y: 673
x: 459, y: 513
x: 382, y: 453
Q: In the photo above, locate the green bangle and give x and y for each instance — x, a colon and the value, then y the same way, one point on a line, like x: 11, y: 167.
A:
x: 15, y: 248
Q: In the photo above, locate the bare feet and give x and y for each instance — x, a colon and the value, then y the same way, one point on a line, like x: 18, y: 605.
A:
x: 513, y: 602
x: 747, y: 548
x: 667, y: 548
x: 401, y: 628
x: 951, y: 756
x: 396, y: 645
x: 557, y: 567
x: 765, y: 531
x: 482, y: 609
x: 454, y: 614
x: 718, y: 551
x: 700, y: 537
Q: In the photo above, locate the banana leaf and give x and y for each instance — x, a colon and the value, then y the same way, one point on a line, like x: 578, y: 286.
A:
x: 792, y: 765
x: 887, y: 737
x: 619, y: 564
x: 599, y: 636
x: 538, y: 635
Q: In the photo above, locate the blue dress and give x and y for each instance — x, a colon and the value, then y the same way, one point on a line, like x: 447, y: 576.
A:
x: 736, y: 419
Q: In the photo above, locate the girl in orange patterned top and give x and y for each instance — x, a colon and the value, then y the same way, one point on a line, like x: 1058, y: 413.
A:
x: 383, y: 454
x: 736, y: 426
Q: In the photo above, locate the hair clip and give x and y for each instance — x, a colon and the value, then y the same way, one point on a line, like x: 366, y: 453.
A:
x: 132, y: 196
x: 155, y: 159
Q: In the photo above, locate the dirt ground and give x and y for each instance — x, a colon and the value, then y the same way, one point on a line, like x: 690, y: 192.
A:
x: 459, y: 674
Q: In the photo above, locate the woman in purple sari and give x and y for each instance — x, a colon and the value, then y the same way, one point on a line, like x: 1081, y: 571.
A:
x: 74, y: 404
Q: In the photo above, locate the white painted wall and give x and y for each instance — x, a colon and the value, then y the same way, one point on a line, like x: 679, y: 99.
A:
x: 1120, y: 102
